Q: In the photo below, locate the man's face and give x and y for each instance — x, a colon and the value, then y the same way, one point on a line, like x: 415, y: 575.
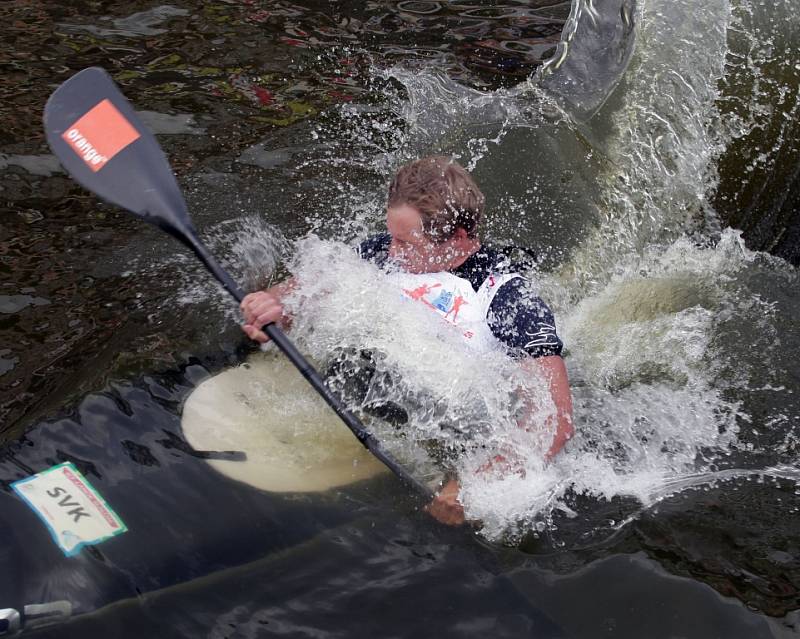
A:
x: 410, y: 248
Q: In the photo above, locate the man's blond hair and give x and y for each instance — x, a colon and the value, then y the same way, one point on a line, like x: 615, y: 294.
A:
x: 443, y: 192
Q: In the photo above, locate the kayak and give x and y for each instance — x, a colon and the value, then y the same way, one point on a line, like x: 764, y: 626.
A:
x: 290, y: 440
x: 203, y: 473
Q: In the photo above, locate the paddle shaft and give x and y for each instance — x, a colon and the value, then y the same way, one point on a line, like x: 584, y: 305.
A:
x: 303, y: 365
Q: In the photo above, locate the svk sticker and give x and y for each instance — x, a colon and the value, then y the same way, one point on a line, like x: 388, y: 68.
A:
x: 73, y: 511
x: 100, y: 134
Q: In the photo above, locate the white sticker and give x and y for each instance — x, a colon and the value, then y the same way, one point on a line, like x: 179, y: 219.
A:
x: 72, y: 509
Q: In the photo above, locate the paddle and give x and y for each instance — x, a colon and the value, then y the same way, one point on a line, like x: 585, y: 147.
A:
x: 103, y: 145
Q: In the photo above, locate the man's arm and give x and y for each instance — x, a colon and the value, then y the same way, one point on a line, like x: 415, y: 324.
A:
x: 445, y: 506
x: 263, y: 307
x: 558, y: 423
x: 552, y: 371
x: 525, y: 324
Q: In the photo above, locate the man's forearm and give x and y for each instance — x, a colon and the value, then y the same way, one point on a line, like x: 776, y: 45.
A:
x: 552, y: 371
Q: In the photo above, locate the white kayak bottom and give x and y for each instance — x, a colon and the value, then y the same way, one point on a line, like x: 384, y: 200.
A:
x: 293, y: 441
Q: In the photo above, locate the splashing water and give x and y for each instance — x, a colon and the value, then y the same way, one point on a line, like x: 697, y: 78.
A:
x: 648, y: 404
x: 253, y: 251
x: 454, y: 400
x: 654, y: 299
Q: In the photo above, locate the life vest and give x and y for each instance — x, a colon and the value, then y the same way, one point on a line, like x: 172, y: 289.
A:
x: 455, y: 301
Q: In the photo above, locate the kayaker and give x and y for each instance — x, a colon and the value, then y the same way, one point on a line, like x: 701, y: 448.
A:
x: 433, y: 213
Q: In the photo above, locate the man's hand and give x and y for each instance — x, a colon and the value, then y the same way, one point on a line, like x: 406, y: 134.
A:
x: 445, y: 506
x: 264, y: 307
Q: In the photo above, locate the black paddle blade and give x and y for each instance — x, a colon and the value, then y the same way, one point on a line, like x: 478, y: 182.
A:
x: 102, y: 143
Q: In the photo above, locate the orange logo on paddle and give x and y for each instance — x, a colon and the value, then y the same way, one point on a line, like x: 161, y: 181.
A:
x: 100, y: 134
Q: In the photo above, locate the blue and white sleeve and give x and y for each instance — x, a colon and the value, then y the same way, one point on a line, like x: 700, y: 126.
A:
x: 376, y: 248
x: 523, y: 322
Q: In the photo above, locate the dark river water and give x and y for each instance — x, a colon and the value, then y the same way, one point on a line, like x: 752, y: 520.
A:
x: 646, y: 151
